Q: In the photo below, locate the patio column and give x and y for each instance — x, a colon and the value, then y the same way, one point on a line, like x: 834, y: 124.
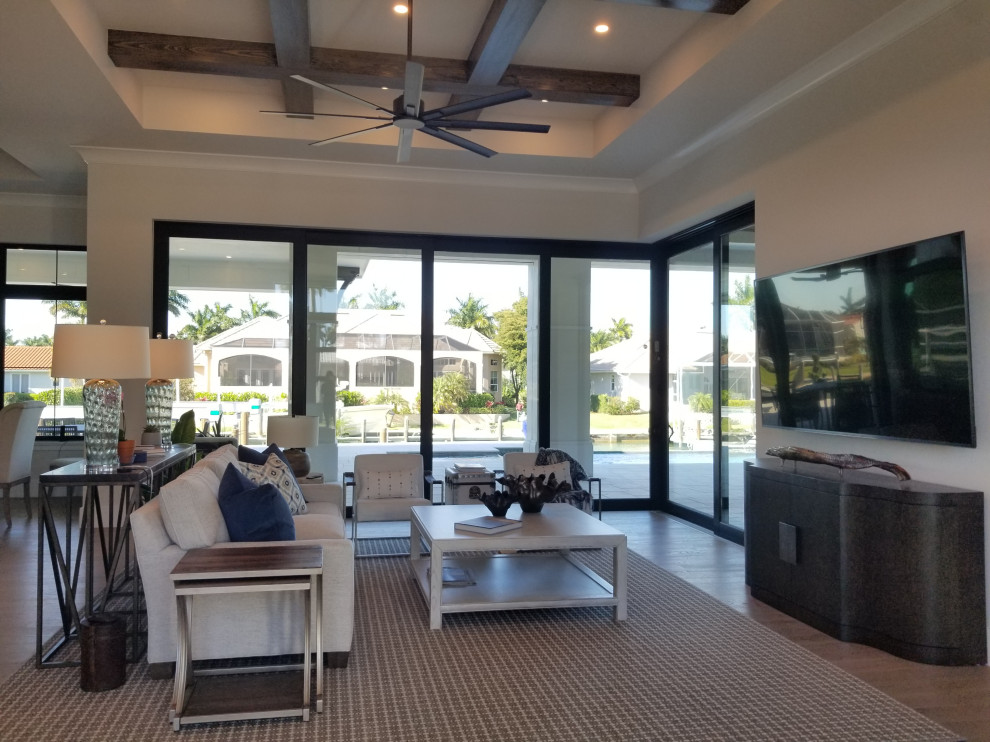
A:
x: 570, y: 359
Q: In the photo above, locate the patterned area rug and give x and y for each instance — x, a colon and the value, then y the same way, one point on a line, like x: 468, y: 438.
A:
x: 683, y: 667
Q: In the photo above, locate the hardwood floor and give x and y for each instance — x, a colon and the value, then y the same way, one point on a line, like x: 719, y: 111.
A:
x: 956, y: 697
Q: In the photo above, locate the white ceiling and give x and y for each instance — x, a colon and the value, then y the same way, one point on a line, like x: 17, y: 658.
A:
x: 703, y: 78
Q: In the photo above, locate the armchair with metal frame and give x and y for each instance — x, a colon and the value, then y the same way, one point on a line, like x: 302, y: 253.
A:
x: 515, y: 463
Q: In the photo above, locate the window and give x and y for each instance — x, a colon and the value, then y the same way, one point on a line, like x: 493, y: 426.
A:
x: 250, y: 370
x: 18, y: 383
x: 493, y: 382
x: 44, y: 285
x: 384, y: 371
x: 448, y: 365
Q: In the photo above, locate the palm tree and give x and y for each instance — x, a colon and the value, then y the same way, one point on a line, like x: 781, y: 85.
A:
x: 207, y: 322
x: 67, y: 309
x: 257, y: 309
x: 382, y: 299
x: 621, y: 329
x: 472, y: 313
x: 177, y: 302
x: 601, y: 339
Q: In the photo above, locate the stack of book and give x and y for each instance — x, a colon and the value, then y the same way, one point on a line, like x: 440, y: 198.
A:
x: 488, y: 524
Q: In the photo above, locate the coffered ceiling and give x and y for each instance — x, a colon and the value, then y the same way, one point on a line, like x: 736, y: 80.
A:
x: 669, y: 79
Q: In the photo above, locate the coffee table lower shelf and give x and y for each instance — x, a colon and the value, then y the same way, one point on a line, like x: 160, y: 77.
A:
x: 505, y: 582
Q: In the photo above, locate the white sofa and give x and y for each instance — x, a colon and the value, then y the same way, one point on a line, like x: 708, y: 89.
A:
x: 186, y: 515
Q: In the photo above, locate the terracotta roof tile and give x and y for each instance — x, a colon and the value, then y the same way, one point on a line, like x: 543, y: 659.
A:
x: 34, y: 357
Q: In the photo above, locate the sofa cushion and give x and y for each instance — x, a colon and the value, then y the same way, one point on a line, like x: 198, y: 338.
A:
x: 190, y: 511
x: 218, y: 460
x: 277, y: 472
x: 318, y: 526
x: 253, y: 512
x: 253, y: 456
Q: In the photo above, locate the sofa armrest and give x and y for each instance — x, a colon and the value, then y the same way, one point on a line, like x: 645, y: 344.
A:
x: 329, y: 492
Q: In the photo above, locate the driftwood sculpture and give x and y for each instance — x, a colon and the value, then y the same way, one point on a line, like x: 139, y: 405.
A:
x: 840, y: 460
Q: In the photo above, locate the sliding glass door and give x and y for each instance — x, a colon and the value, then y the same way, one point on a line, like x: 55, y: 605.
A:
x: 711, y: 373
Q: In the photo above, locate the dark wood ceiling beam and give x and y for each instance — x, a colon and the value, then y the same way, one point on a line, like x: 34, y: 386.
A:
x: 724, y: 7
x: 290, y: 24
x: 147, y: 51
x: 502, y: 33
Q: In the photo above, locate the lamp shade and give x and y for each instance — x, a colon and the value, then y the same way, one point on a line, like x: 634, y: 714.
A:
x: 293, y: 432
x: 171, y: 358
x: 100, y: 352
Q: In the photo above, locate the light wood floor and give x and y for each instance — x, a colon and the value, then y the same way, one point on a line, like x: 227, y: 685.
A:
x: 956, y: 697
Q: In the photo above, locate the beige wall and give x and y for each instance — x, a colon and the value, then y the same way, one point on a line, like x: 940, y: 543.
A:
x: 906, y: 165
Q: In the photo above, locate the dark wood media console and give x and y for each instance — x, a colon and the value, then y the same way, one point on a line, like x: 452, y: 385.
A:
x: 869, y: 559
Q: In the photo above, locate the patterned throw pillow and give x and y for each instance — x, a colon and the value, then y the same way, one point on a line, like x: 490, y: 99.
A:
x: 386, y: 484
x: 275, y: 471
x: 560, y: 471
x: 555, y: 456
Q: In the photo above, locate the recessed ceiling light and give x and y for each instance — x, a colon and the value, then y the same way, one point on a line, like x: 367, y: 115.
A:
x: 228, y: 257
x: 601, y: 28
x: 400, y: 8
x: 544, y: 100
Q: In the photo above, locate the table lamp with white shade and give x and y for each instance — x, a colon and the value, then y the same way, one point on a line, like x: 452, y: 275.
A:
x: 101, y: 353
x: 294, y: 435
x: 171, y: 359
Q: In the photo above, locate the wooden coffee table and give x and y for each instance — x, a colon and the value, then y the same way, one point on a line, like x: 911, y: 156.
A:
x: 529, y: 567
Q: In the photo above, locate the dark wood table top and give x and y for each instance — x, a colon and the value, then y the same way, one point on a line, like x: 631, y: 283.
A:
x: 225, y: 563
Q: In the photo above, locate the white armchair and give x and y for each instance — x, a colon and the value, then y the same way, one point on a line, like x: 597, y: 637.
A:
x: 516, y: 463
x: 18, y: 429
x: 386, y: 485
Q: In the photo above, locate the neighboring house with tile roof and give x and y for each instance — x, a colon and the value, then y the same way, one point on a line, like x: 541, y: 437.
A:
x: 374, y: 350
x: 27, y: 368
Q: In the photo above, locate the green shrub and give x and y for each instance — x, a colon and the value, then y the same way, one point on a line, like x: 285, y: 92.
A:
x: 596, y: 402
x: 400, y: 406
x: 11, y: 397
x: 243, y: 396
x: 349, y: 398
x: 474, y: 399
x: 73, y: 395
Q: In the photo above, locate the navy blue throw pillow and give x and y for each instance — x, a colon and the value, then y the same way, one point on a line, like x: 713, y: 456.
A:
x: 253, y: 456
x: 252, y: 512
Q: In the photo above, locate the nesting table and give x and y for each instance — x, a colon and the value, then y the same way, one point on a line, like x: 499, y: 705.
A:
x: 529, y: 567
x: 225, y: 570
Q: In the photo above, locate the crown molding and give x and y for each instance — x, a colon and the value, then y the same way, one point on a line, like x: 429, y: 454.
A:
x: 406, y: 173
x: 42, y: 200
x: 874, y: 38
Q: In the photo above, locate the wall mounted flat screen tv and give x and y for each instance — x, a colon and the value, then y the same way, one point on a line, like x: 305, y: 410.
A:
x: 875, y: 345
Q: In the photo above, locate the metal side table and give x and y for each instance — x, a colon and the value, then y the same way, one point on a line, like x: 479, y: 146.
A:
x: 122, y: 491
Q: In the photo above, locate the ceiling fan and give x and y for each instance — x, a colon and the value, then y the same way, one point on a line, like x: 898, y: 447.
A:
x: 407, y: 114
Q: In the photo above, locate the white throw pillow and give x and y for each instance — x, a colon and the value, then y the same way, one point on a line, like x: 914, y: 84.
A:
x: 561, y: 471
x: 274, y: 471
x: 387, y: 484
x: 190, y: 510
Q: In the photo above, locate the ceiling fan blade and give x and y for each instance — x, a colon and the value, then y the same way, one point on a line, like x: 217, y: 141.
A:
x: 459, y: 141
x: 490, y: 125
x: 412, y: 93
x: 332, y: 115
x: 341, y: 137
x: 405, y: 145
x: 336, y: 91
x: 472, y: 105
